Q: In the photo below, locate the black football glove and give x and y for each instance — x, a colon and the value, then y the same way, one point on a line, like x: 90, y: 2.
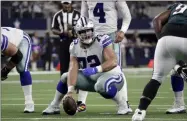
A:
x: 184, y: 73
x: 182, y: 70
x: 4, y: 73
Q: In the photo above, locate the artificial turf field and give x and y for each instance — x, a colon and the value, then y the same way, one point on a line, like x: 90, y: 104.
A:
x: 98, y: 109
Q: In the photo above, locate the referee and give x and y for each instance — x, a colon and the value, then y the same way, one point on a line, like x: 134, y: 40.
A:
x: 62, y: 25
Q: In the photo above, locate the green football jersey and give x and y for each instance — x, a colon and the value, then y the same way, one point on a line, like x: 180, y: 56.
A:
x: 178, y: 14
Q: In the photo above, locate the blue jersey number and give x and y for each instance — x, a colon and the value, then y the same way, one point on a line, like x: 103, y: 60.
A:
x: 92, y: 60
x: 99, y: 12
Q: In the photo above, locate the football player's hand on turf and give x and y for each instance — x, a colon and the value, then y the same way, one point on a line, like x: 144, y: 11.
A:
x: 4, y: 73
x: 69, y: 94
x: 119, y: 36
x: 89, y: 71
x: 69, y: 104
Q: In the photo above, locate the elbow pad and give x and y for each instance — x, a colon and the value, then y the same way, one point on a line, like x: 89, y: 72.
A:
x: 17, y: 57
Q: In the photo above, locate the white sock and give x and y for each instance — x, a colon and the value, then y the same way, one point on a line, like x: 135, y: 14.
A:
x: 124, y: 88
x: 57, y: 99
x: 179, y: 97
x: 82, y: 96
x: 27, y: 90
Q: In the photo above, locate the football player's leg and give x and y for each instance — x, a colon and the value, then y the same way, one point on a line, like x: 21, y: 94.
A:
x: 25, y: 76
x: 177, y: 86
x: 81, y: 101
x: 118, y: 52
x: 84, y: 85
x: 113, y: 86
x: 163, y: 63
x: 61, y: 90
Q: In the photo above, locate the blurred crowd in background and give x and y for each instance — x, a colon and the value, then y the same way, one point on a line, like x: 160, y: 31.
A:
x: 45, y: 53
x: 42, y: 9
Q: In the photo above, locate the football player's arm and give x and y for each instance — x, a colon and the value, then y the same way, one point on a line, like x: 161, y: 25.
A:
x: 13, y: 52
x: 124, y: 11
x: 84, y: 9
x: 72, y: 74
x: 159, y: 21
x: 16, y: 56
x: 110, y: 59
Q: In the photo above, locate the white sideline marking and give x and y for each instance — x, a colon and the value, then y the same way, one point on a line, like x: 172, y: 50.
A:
x: 58, y: 72
x: 99, y: 118
x: 33, y: 81
x: 139, y: 97
x: 136, y: 92
x: 11, y: 99
x: 87, y: 105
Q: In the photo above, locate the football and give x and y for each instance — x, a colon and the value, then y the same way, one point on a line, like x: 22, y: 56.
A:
x: 69, y: 105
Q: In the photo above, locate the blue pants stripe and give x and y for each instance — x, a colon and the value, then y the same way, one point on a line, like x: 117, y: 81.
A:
x: 114, y: 79
x: 26, y: 36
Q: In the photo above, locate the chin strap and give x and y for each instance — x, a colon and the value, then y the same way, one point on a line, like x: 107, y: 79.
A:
x: 87, y: 45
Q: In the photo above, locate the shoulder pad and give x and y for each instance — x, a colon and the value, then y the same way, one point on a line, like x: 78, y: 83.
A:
x: 173, y: 6
x: 72, y: 46
x: 105, y: 40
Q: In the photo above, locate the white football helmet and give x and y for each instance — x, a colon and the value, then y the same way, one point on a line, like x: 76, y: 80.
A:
x: 85, y: 30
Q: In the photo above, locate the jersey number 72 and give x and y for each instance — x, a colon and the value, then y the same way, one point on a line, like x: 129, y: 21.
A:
x: 99, y: 12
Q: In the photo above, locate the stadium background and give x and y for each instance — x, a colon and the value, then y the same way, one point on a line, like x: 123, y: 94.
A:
x: 138, y: 50
x: 36, y: 17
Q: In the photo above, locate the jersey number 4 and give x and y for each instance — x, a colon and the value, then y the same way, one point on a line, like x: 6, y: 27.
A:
x: 180, y: 9
x: 99, y: 12
x: 92, y: 60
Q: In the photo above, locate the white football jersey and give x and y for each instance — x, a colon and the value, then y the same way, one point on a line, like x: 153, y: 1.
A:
x: 14, y: 35
x: 105, y: 15
x: 92, y: 56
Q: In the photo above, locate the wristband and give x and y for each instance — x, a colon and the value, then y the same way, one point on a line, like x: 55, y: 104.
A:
x: 99, y: 68
x: 71, y: 88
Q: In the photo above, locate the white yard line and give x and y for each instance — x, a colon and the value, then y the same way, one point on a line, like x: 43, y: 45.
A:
x: 99, y: 118
x: 89, y: 105
x: 33, y: 81
x: 11, y: 99
x: 134, y: 70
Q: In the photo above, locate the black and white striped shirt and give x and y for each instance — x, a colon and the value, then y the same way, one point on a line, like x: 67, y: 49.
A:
x: 61, y: 20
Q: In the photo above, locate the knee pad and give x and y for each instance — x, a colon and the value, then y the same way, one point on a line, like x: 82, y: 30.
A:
x: 177, y: 83
x: 25, y: 78
x: 63, y: 78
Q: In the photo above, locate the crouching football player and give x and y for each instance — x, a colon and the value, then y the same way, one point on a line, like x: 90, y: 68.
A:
x: 98, y: 71
x: 16, y: 46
